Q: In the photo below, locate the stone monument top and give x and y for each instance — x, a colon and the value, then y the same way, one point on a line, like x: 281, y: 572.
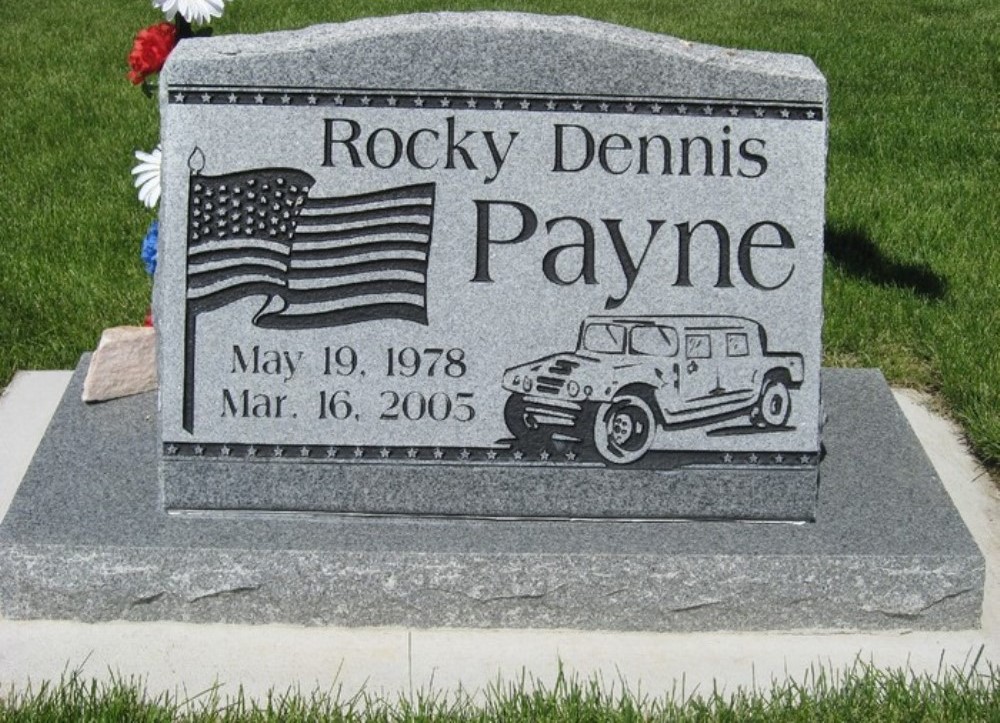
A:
x: 503, y: 51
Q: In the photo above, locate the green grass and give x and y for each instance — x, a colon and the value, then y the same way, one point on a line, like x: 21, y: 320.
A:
x: 913, y: 241
x: 863, y: 693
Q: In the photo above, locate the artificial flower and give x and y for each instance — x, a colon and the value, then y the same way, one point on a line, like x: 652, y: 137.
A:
x: 194, y: 11
x: 150, y: 50
x: 149, y: 245
x: 147, y: 176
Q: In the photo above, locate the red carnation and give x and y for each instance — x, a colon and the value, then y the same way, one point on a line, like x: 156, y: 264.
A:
x: 150, y: 51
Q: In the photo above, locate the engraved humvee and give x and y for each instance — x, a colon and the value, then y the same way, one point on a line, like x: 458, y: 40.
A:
x: 630, y: 376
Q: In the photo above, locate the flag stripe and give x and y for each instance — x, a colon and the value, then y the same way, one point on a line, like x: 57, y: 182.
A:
x: 345, y: 269
x: 355, y: 302
x: 239, y: 245
x: 232, y: 262
x: 386, y: 229
x: 352, y: 290
x: 320, y: 242
x: 209, y: 278
x: 361, y: 250
x: 246, y: 284
x: 415, y: 213
x: 382, y: 258
x: 311, y: 209
x: 419, y: 190
x: 366, y: 278
x: 317, y: 319
x: 321, y: 226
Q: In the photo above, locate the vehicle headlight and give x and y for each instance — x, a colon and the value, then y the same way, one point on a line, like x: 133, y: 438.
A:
x: 588, y: 390
x: 516, y: 380
x: 527, y: 384
x: 573, y: 388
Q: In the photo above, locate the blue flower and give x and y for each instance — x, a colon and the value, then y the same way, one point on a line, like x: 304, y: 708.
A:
x: 148, y: 253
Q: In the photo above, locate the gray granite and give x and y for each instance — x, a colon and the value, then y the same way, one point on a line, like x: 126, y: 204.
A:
x: 504, y: 51
x: 715, y: 491
x: 86, y: 538
x: 499, y: 264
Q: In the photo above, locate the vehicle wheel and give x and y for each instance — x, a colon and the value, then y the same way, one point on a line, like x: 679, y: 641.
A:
x: 775, y: 405
x: 624, y: 429
x: 520, y: 424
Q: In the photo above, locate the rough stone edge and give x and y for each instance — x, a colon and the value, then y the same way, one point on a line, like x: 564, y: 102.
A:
x: 684, y: 593
x: 309, y: 38
x: 797, y: 69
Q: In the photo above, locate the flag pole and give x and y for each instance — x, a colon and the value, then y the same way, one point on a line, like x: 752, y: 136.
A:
x: 196, y: 162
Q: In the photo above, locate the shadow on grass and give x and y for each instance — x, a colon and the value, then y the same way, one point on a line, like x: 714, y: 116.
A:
x: 851, y: 251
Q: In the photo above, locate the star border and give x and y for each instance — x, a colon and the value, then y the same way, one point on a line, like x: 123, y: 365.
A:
x: 572, y: 455
x: 464, y: 101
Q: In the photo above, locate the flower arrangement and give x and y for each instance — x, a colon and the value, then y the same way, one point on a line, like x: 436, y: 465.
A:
x: 149, y: 247
x: 150, y: 50
x: 146, y: 177
x: 193, y: 11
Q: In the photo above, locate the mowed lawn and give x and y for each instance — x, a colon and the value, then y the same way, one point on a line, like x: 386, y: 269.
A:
x: 913, y: 218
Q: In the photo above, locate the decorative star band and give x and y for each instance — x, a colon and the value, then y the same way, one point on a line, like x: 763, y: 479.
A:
x: 493, y: 101
x: 562, y: 454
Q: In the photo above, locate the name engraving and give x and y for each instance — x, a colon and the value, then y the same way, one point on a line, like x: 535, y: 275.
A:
x: 576, y: 148
x: 583, y: 253
x: 423, y: 149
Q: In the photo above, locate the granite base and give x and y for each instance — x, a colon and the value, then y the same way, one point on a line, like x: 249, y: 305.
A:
x: 87, y: 538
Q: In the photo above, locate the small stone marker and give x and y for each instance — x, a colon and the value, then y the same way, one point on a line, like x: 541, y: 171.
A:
x: 491, y: 264
x: 123, y: 364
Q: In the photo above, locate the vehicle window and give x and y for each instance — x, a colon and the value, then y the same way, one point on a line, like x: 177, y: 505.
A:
x: 699, y: 346
x: 654, y: 340
x: 605, y: 338
x: 736, y: 345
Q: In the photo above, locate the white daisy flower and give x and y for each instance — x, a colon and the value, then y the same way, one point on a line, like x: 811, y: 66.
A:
x: 147, y: 176
x: 194, y: 11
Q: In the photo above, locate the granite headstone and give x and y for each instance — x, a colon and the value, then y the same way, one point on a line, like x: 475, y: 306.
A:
x: 490, y: 264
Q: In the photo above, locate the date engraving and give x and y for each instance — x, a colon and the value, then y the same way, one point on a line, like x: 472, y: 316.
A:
x: 439, y: 407
x: 350, y: 400
x: 409, y: 362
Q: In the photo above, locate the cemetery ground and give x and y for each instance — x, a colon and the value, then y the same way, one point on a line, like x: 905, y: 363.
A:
x: 911, y: 281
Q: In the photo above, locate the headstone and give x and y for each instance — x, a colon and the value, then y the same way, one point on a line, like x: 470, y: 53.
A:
x: 580, y: 280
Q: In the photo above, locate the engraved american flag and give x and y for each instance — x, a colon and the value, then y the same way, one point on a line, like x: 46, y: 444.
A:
x: 321, y: 262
